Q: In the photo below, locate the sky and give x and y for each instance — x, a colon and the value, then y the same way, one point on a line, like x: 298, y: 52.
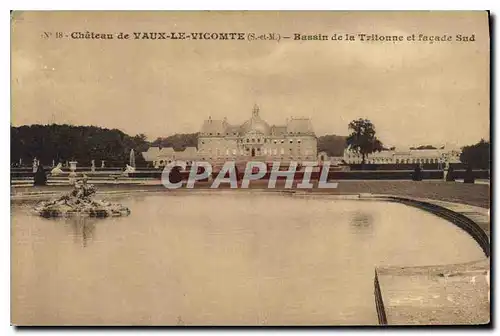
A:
x: 414, y: 92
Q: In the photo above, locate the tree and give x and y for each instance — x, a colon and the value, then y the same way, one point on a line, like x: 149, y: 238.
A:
x: 477, y: 156
x: 333, y: 145
x: 424, y: 147
x: 362, y: 138
x: 177, y: 141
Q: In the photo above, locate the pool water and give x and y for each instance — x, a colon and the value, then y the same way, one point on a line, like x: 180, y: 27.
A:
x: 221, y: 259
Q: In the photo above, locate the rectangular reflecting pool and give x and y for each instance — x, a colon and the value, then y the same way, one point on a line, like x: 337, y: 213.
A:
x: 221, y: 259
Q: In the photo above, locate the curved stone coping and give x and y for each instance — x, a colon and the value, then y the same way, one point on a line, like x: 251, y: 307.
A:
x: 474, y: 220
x: 438, y: 294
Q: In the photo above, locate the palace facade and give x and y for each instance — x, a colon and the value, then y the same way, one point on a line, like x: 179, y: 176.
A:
x: 254, y: 140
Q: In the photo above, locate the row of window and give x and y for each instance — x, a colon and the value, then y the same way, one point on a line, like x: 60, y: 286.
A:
x: 258, y: 150
x: 417, y: 160
x: 358, y: 156
x: 165, y: 162
x: 282, y: 158
x: 263, y: 150
x: 389, y: 160
x: 253, y: 140
x: 235, y: 134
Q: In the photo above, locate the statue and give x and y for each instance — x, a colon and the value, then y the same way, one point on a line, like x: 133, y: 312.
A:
x: 469, y: 175
x: 446, y: 170
x: 128, y: 169
x: 79, y: 202
x: 40, y: 177
x: 35, y: 165
x: 72, y: 167
x: 417, y: 173
x: 92, y: 165
x: 450, y: 176
x: 72, y: 175
x: 57, y: 170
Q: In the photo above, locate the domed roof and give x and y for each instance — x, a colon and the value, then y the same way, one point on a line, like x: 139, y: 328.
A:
x: 255, y: 124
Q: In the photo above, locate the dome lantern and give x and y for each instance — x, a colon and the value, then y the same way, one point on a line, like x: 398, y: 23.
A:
x: 255, y: 111
x: 255, y: 124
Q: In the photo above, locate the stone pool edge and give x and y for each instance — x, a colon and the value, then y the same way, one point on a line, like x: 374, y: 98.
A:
x: 476, y: 222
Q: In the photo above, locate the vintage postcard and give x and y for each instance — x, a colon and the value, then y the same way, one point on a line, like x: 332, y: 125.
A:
x: 250, y: 168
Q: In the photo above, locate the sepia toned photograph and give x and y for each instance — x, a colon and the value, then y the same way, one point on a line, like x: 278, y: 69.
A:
x: 250, y: 168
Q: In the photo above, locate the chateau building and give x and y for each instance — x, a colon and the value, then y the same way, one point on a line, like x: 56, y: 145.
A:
x: 253, y: 140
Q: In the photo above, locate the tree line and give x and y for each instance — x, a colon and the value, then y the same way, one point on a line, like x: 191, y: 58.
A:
x: 478, y: 155
x: 61, y: 143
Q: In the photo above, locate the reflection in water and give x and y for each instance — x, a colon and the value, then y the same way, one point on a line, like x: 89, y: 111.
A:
x: 362, y: 220
x: 236, y: 259
x: 83, y: 228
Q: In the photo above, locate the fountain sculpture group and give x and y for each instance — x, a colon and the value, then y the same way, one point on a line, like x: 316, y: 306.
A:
x: 80, y: 202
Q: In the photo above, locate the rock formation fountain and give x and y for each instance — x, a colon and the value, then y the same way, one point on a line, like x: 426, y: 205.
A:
x: 80, y: 202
